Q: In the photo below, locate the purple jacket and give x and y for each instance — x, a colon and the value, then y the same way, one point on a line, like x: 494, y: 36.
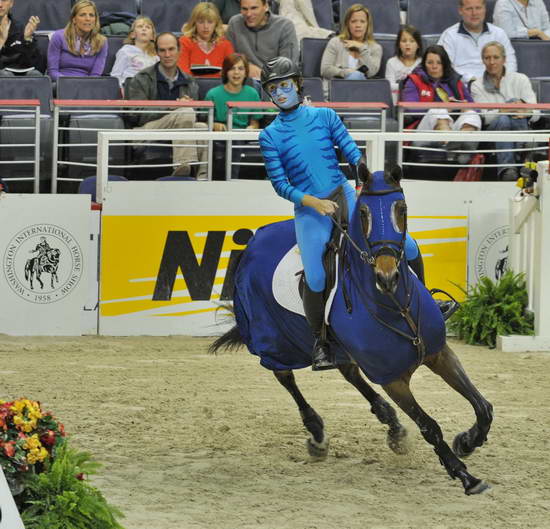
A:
x: 410, y: 92
x: 63, y: 63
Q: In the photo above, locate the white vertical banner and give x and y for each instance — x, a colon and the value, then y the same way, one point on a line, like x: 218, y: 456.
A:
x: 489, y: 230
x: 9, y: 515
x: 43, y: 252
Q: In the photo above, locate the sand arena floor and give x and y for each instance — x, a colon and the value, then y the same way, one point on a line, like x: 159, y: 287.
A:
x: 194, y: 441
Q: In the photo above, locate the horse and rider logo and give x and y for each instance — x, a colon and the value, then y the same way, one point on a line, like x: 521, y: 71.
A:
x: 43, y: 263
x: 492, y: 255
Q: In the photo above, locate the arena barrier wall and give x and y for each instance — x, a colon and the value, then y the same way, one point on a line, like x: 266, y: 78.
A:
x: 530, y: 249
x: 44, y: 283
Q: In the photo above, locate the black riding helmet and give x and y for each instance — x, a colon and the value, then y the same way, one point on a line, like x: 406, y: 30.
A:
x: 280, y: 68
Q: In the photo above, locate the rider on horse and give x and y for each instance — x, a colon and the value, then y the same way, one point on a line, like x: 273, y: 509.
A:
x: 42, y: 248
x: 298, y: 148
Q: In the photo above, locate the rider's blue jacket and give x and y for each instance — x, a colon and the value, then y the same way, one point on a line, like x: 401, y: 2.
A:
x: 298, y: 148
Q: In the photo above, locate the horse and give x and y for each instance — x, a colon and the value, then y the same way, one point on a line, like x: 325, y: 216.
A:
x: 381, y: 320
x: 45, y: 263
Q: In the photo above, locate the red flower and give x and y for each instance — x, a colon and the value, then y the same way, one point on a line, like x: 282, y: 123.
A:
x: 9, y: 448
x: 48, y: 438
x: 80, y: 476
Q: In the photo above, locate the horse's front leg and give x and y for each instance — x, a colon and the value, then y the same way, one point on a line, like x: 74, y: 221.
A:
x: 400, y: 393
x: 317, y: 444
x: 397, y: 433
x: 447, y: 365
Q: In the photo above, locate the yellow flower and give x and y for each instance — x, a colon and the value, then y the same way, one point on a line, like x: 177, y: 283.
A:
x: 32, y: 443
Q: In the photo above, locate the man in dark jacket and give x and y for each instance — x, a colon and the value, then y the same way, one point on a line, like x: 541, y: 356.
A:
x: 19, y: 54
x: 166, y: 82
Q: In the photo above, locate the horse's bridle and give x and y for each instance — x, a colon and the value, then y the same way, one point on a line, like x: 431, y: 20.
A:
x: 369, y: 257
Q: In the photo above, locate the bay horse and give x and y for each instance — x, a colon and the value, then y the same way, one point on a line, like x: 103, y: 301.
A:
x: 382, y: 320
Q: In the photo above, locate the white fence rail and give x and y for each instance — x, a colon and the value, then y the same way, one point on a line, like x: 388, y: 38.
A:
x: 529, y: 251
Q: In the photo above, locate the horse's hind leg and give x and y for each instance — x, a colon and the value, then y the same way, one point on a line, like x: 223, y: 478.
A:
x: 400, y: 393
x: 447, y: 365
x: 317, y: 444
x: 383, y: 410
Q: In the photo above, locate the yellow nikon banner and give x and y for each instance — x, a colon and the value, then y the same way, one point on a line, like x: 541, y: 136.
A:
x: 168, y: 249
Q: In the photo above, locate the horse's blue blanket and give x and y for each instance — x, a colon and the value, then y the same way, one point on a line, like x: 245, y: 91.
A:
x: 283, y: 340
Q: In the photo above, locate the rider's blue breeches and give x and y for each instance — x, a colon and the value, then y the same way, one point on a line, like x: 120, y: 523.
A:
x: 313, y: 233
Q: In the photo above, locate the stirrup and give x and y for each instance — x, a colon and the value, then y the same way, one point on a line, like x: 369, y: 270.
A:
x: 320, y: 356
x: 447, y: 307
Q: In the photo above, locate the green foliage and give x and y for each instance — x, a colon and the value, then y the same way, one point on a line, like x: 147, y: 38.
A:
x: 59, y: 497
x: 493, y: 309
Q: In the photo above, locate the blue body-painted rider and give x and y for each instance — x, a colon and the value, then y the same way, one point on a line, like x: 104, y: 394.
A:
x: 298, y: 148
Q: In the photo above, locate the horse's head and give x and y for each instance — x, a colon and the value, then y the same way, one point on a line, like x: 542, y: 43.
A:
x: 383, y: 222
x: 53, y: 254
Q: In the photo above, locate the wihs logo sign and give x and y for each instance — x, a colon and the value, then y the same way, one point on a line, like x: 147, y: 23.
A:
x: 199, y: 278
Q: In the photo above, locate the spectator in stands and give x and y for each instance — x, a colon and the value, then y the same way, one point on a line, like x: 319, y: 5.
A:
x: 79, y: 50
x: 19, y: 54
x: 261, y: 35
x: 500, y: 86
x: 234, y: 76
x: 227, y: 8
x: 354, y: 54
x: 408, y: 53
x: 522, y: 19
x: 138, y: 51
x: 303, y: 17
x: 203, y: 42
x: 164, y: 81
x: 3, y: 187
x: 463, y: 40
x: 436, y: 81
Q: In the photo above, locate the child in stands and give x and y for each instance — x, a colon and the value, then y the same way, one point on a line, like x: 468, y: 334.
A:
x: 408, y: 54
x: 138, y: 51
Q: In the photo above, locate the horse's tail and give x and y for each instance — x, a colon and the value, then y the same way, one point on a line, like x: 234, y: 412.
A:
x: 229, y: 341
x: 28, y: 267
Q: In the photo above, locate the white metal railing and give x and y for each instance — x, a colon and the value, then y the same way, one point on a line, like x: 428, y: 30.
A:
x: 29, y: 108
x: 530, y: 254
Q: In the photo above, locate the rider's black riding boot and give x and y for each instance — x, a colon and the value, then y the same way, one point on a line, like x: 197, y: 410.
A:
x: 314, y: 306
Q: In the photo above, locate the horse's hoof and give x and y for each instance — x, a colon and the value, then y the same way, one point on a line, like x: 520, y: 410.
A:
x: 317, y: 451
x: 398, y: 441
x: 478, y: 488
x: 460, y: 445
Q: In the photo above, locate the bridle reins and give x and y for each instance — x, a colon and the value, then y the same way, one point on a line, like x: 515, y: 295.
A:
x: 369, y: 257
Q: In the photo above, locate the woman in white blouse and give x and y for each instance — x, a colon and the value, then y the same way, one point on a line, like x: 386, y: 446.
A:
x: 354, y: 54
x: 522, y: 19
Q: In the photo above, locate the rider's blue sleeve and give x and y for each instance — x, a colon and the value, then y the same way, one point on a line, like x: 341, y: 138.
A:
x: 276, y: 170
x: 411, y: 248
x: 342, y: 138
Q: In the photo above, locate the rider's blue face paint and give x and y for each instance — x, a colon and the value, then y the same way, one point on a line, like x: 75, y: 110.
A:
x: 284, y: 94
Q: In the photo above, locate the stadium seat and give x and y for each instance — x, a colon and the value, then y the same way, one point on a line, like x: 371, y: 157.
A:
x: 544, y: 91
x: 53, y: 14
x: 43, y: 41
x: 168, y: 16
x: 102, y: 88
x: 532, y: 57
x: 313, y: 87
x: 206, y: 84
x: 385, y: 14
x: 432, y: 18
x: 88, y: 185
x: 25, y: 88
x: 115, y: 43
x: 311, y: 54
x: 388, y: 50
x: 117, y: 6
x: 323, y: 13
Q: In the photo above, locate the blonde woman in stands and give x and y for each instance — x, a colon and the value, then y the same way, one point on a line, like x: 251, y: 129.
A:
x: 408, y: 54
x: 79, y: 49
x: 203, y: 46
x: 138, y: 51
x: 354, y: 54
x: 302, y: 15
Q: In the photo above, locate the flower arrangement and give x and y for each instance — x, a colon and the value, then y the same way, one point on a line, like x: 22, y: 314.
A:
x: 29, y: 437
